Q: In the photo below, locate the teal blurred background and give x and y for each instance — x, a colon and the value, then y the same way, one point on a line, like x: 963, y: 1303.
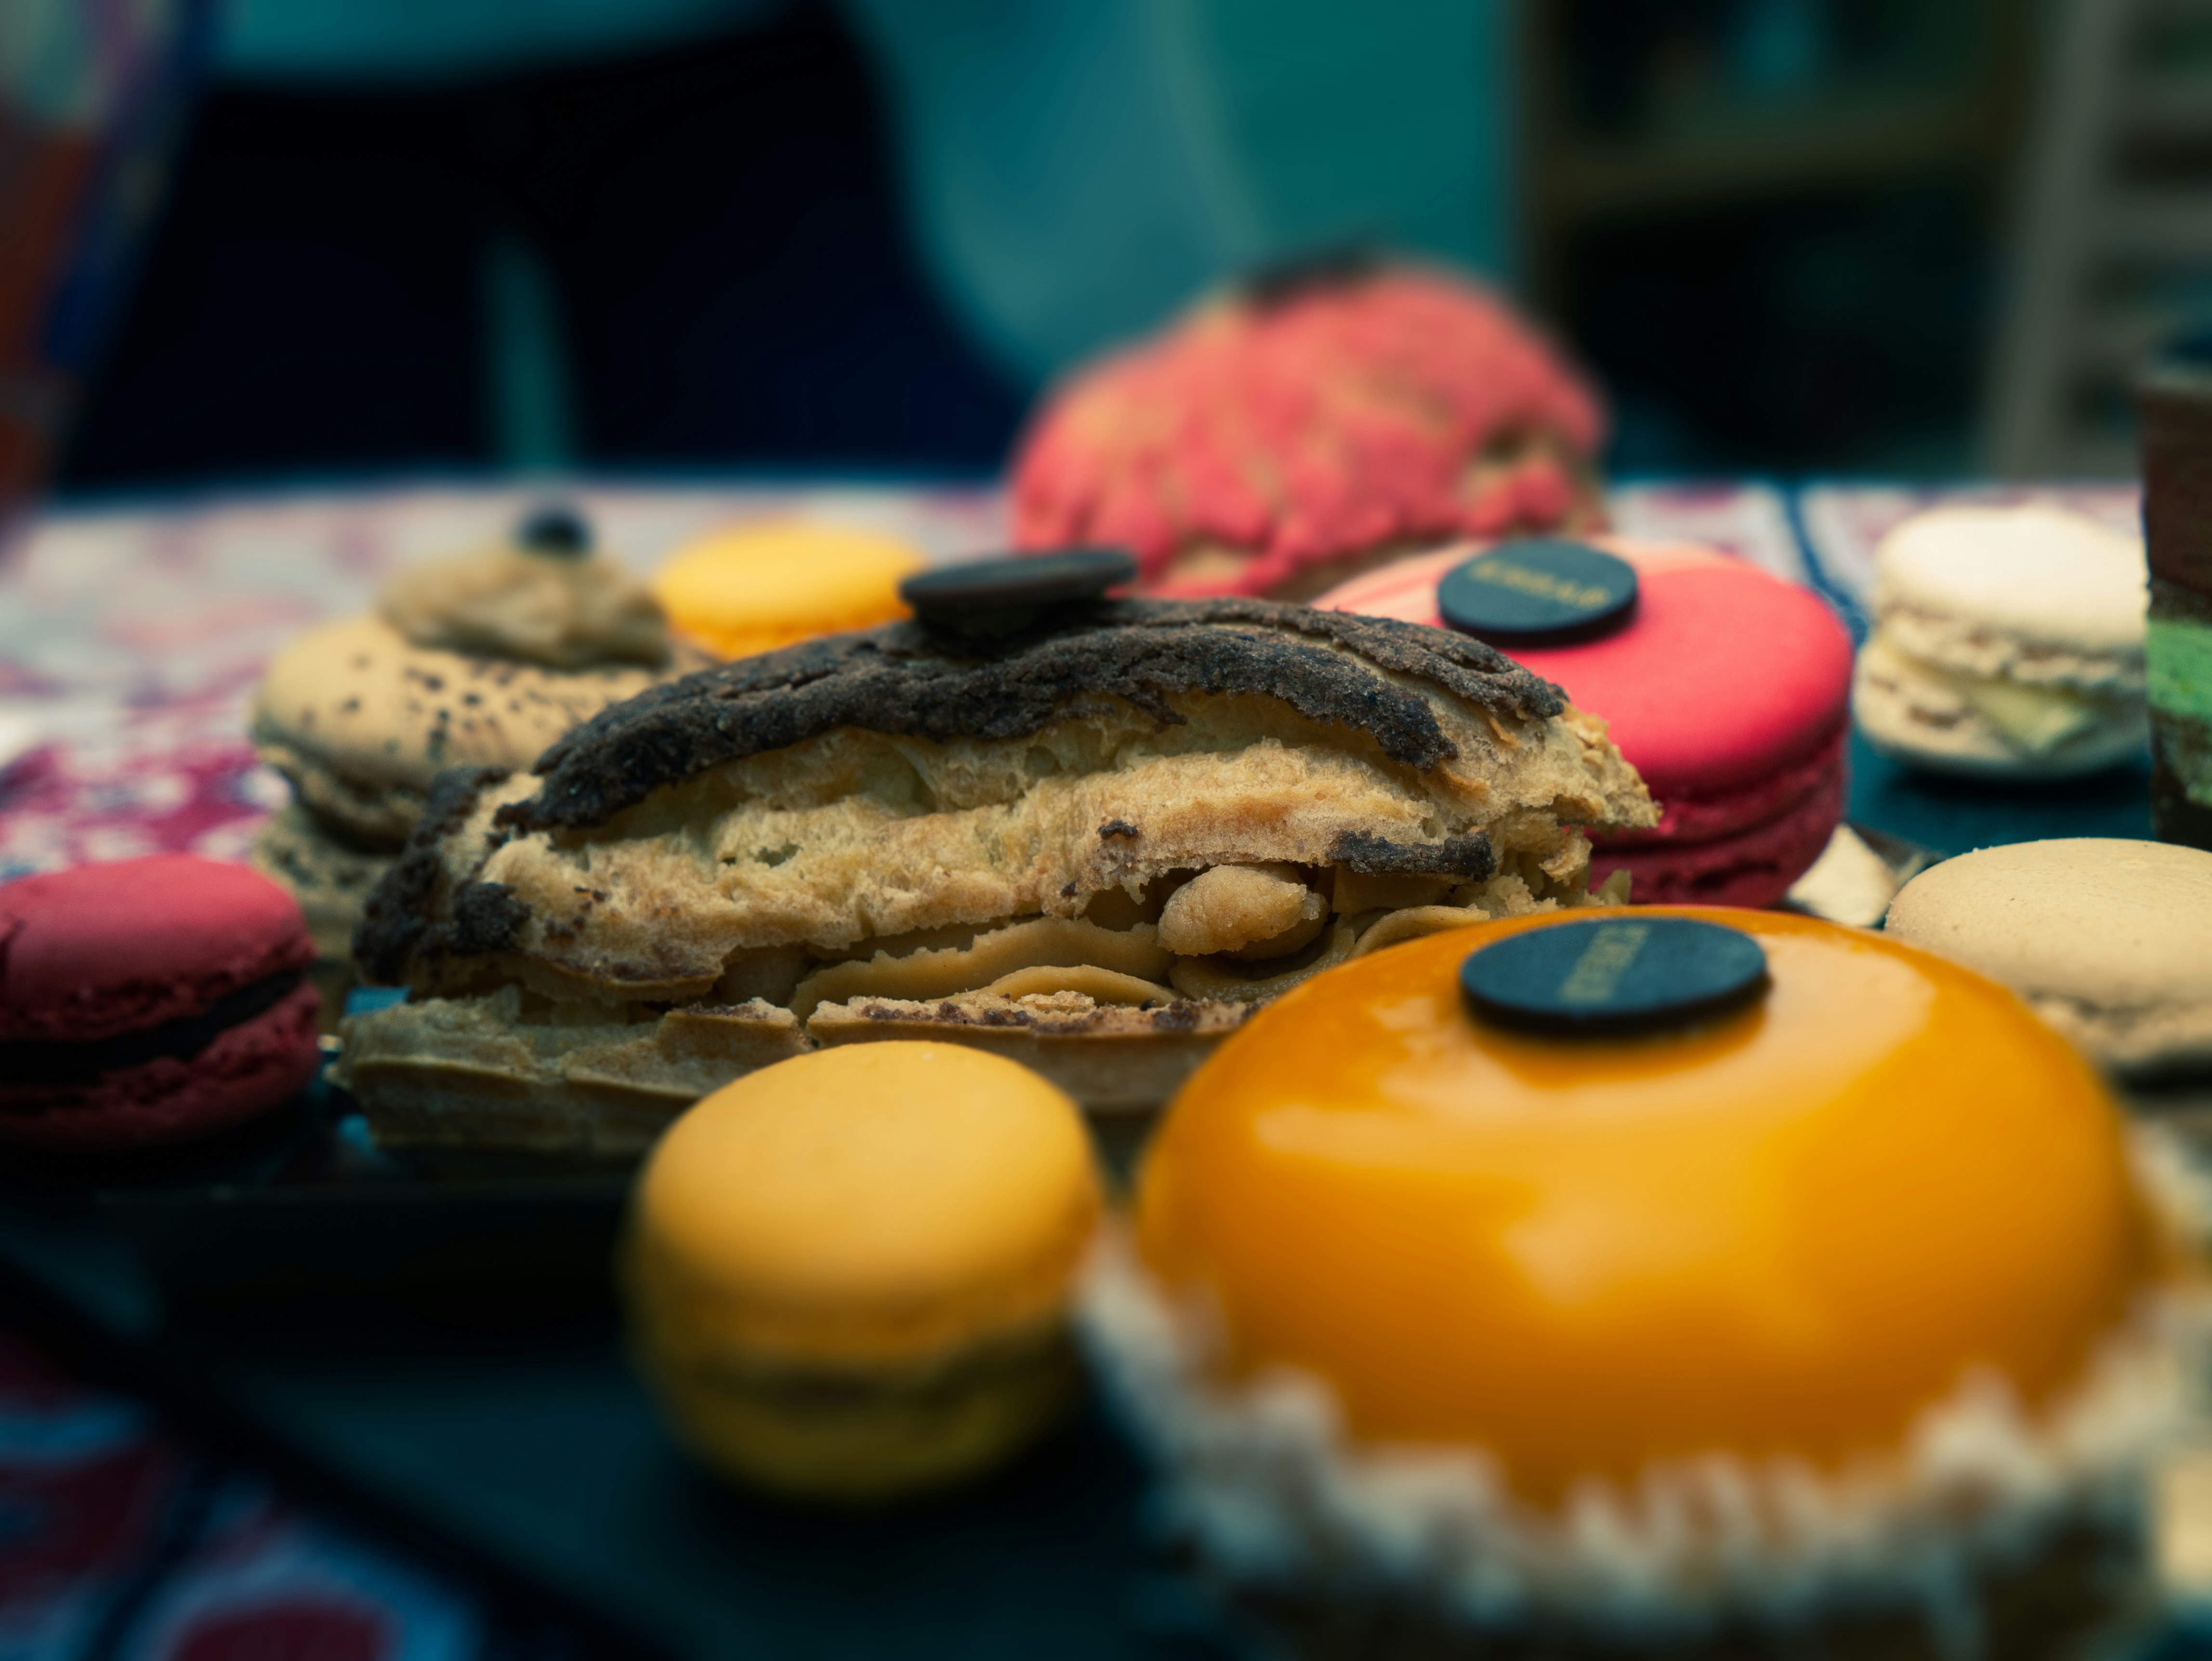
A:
x: 1787, y: 236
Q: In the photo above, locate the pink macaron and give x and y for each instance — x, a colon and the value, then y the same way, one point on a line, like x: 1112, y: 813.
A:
x: 149, y: 1001
x: 1728, y: 688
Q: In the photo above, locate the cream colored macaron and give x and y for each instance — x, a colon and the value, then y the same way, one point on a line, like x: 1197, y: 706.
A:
x: 2008, y: 642
x: 478, y: 658
x: 2109, y: 939
x: 360, y: 719
x: 754, y: 588
x: 847, y: 1274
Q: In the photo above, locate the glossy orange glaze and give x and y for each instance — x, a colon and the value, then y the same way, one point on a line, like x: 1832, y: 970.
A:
x: 1786, y: 1232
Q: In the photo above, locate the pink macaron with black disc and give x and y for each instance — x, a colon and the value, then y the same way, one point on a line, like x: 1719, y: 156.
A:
x: 1727, y: 689
x: 150, y: 1001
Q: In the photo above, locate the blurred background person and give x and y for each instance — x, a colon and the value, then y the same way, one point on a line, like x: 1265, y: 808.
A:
x: 1886, y: 236
x: 696, y: 232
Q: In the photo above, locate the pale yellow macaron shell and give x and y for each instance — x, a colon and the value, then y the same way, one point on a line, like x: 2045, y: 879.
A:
x: 759, y: 587
x: 2113, y: 921
x: 876, y: 1204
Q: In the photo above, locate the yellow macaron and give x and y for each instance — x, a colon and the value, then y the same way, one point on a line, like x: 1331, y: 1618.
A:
x: 759, y: 587
x: 848, y: 1274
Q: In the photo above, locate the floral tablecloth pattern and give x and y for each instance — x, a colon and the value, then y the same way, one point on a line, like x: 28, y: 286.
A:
x: 120, y: 1536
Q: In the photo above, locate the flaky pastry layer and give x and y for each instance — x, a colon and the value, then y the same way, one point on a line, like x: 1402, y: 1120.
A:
x: 1150, y: 809
x: 513, y: 1068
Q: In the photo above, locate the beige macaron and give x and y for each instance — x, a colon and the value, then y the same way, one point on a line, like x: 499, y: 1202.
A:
x: 2008, y: 642
x: 331, y: 874
x: 477, y: 658
x: 360, y: 719
x: 2109, y: 939
x: 480, y: 659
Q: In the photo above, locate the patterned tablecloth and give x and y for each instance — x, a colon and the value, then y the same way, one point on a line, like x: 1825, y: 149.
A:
x: 120, y: 1537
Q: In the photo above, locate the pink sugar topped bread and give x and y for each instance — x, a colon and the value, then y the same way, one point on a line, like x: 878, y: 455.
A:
x: 1729, y: 692
x: 149, y: 1000
x: 1280, y: 439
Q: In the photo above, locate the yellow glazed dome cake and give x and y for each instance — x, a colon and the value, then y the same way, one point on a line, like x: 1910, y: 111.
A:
x: 1827, y: 1307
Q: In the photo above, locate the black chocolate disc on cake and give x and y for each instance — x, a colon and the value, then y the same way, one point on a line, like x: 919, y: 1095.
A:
x: 1539, y: 592
x: 1622, y: 973
x: 1000, y: 596
x: 560, y: 532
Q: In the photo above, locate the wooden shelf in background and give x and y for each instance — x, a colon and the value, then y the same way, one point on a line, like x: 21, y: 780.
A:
x: 1846, y: 140
x: 2172, y: 225
x: 2170, y: 104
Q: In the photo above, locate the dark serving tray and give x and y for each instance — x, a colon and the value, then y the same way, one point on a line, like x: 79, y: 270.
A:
x: 527, y: 1449
x: 301, y: 1212
x: 442, y: 1351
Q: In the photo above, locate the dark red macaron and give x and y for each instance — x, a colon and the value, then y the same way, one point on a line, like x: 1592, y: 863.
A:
x: 149, y: 1001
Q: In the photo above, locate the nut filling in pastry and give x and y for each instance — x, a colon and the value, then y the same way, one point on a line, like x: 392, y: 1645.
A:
x: 1094, y: 845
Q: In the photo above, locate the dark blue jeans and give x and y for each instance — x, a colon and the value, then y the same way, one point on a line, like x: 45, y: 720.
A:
x: 729, y: 267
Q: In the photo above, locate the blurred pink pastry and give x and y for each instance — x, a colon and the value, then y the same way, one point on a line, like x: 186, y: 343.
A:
x: 1298, y: 432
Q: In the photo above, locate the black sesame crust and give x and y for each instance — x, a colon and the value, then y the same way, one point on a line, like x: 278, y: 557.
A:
x: 400, y: 908
x: 906, y: 679
x: 487, y: 917
x: 1364, y: 854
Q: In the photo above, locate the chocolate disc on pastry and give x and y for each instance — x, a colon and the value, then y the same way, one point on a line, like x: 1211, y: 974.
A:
x: 1093, y: 845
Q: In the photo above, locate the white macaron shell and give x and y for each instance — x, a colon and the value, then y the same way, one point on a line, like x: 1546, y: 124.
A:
x: 2039, y: 572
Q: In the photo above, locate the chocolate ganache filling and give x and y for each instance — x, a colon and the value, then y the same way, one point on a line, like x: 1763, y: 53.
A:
x: 66, y: 1061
